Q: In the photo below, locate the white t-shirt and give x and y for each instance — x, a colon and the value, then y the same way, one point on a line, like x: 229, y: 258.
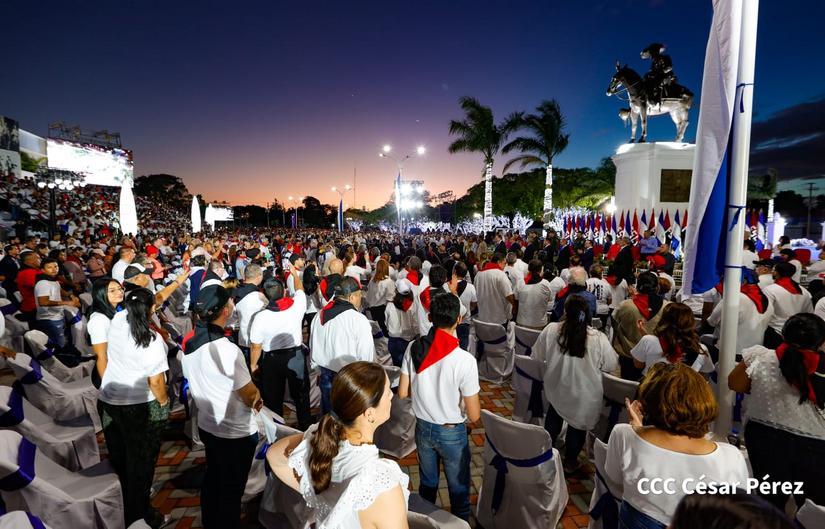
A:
x: 574, y: 385
x: 786, y: 304
x: 752, y: 324
x: 748, y: 257
x: 401, y: 324
x: 631, y: 459
x: 618, y: 294
x: 819, y: 310
x: 118, y: 270
x: 532, y: 304
x: 437, y: 392
x: 51, y: 289
x: 492, y: 288
x: 380, y: 292
x: 345, y: 339
x: 515, y: 276
x: 129, y: 365
x: 602, y: 291
x: 280, y: 330
x: 247, y: 307
x: 216, y: 371
x: 468, y: 297
x: 98, y: 328
x: 649, y: 351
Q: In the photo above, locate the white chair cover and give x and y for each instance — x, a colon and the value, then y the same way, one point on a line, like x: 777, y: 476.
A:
x: 396, y: 437
x: 525, y: 340
x: 532, y: 492
x: 190, y: 427
x: 43, y: 350
x: 281, y: 506
x: 140, y: 524
x: 382, y: 351
x: 21, y: 520
x: 32, y: 482
x: 607, y: 495
x: 528, y: 384
x: 420, y: 521
x: 15, y: 329
x: 62, y: 401
x: 77, y: 330
x: 614, y: 412
x: 442, y: 518
x: 72, y: 445
x: 494, y: 349
x: 811, y: 515
x: 314, y: 388
x: 85, y: 301
x: 183, y: 324
x: 257, y: 475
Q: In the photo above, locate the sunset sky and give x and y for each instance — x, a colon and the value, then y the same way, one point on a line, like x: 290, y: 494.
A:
x: 249, y: 101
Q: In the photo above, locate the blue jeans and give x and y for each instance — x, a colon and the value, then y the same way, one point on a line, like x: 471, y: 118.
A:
x: 463, y: 334
x: 325, y: 378
x: 397, y: 347
x: 631, y: 518
x: 54, y: 329
x: 449, y: 445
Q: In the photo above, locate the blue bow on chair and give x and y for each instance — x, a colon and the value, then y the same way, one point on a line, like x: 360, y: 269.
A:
x: 25, y: 473
x: 500, y: 463
x: 15, y: 414
x: 32, y: 377
x: 528, y: 350
x: 606, y: 508
x: 536, y: 403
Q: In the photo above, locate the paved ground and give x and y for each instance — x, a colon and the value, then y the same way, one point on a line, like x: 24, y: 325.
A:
x: 178, y: 469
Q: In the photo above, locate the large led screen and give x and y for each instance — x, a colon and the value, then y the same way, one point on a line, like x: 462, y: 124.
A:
x: 100, y: 166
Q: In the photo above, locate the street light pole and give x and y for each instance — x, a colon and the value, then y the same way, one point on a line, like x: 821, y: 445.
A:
x: 54, y: 179
x: 341, y: 192
x: 385, y: 153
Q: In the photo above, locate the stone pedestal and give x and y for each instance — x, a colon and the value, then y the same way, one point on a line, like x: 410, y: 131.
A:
x: 653, y: 176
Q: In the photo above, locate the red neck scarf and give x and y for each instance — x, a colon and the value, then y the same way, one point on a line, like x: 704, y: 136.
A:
x: 642, y: 302
x: 754, y: 294
x: 490, y: 266
x: 426, y: 298
x: 720, y: 287
x: 531, y: 279
x: 413, y: 277
x: 406, y: 303
x: 612, y: 280
x: 672, y: 356
x: 789, y: 284
x: 443, y: 344
x: 280, y: 304
x: 562, y: 293
x: 810, y: 359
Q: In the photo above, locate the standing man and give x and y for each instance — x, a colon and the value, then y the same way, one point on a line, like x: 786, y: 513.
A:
x: 439, y: 376
x: 9, y: 266
x: 26, y: 280
x: 127, y: 255
x: 788, y: 298
x: 495, y: 292
x: 623, y: 265
x: 222, y: 388
x: 340, y: 335
x: 276, y: 348
x: 248, y: 301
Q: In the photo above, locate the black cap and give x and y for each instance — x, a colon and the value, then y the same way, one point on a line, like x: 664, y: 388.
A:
x: 294, y: 258
x: 135, y: 269
x: 252, y: 253
x: 211, y: 300
x: 764, y: 262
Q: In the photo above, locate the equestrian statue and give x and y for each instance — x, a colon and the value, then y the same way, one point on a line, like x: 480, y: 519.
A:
x: 657, y: 93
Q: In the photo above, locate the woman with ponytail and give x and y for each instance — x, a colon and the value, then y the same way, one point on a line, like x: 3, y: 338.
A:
x: 575, y: 355
x: 634, y: 318
x: 133, y: 404
x: 785, y: 409
x: 335, y: 465
x: 673, y: 340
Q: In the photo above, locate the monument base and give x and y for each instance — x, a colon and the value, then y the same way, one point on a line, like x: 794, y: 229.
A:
x: 653, y: 176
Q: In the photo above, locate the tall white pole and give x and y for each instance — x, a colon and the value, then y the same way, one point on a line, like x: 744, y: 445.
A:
x: 548, y: 196
x: 398, y: 183
x: 740, y: 152
x: 488, y: 198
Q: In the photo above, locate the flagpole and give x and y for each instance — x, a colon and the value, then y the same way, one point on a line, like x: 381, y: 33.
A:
x: 740, y: 152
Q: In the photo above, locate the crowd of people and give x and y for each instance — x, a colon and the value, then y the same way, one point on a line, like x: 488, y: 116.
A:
x: 254, y: 314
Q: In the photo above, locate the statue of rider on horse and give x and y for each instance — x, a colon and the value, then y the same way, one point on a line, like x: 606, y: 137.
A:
x: 655, y: 94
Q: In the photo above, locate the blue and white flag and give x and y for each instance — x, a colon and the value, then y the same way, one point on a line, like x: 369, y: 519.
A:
x: 709, y: 189
x: 341, y: 214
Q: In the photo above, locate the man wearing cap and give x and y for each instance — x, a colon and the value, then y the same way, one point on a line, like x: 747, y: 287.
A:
x: 764, y: 272
x: 276, y: 350
x: 225, y: 397
x: 138, y: 276
x: 127, y: 255
x: 340, y: 335
x: 788, y: 298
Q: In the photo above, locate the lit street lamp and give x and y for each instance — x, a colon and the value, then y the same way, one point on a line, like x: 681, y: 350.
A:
x: 295, y: 201
x: 57, y: 179
x: 385, y: 153
x: 341, y: 192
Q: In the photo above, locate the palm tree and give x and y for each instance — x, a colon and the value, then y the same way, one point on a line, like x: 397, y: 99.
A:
x: 547, y: 140
x: 478, y: 132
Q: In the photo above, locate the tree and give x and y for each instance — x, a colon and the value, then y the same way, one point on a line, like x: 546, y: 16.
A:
x: 163, y: 188
x: 546, y: 140
x: 478, y: 132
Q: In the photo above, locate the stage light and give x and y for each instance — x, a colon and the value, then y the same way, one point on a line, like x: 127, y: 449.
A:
x: 387, y: 148
x: 419, y: 190
x: 611, y: 207
x: 347, y: 187
x: 421, y: 150
x: 406, y: 188
x: 41, y: 185
x: 334, y: 188
x: 51, y: 185
x: 476, y: 215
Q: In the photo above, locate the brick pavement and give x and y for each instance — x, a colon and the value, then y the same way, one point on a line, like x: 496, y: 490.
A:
x: 178, y: 467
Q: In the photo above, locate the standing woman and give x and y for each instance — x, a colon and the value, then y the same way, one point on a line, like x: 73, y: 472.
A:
x: 380, y: 291
x: 785, y: 408
x: 107, y: 295
x: 133, y: 404
x: 575, y: 355
x: 402, y: 321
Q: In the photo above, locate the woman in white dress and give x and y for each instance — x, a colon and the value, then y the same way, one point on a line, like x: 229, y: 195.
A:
x: 107, y: 295
x: 335, y: 465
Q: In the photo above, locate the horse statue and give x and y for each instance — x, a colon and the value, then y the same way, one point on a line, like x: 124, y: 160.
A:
x: 675, y: 100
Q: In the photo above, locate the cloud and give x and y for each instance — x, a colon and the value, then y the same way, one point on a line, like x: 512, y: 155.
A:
x: 792, y: 141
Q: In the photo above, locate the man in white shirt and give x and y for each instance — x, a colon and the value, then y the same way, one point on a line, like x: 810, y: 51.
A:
x: 789, y: 256
x: 533, y: 296
x: 602, y: 291
x: 764, y: 272
x: 249, y: 300
x: 495, y: 292
x: 514, y: 274
x: 749, y: 256
x: 340, y: 335
x: 788, y: 298
x: 439, y: 376
x: 222, y: 388
x: 466, y: 292
x: 275, y: 337
x: 127, y: 255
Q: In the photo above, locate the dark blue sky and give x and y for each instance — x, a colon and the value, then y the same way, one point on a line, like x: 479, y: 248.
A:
x: 247, y: 101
